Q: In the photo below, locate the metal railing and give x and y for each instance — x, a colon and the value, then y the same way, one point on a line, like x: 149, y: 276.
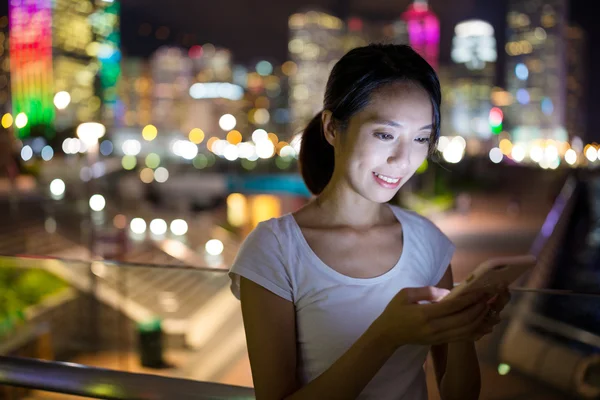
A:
x: 100, y: 383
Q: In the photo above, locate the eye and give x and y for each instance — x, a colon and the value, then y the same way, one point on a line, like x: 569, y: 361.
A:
x: 422, y: 140
x: 383, y: 136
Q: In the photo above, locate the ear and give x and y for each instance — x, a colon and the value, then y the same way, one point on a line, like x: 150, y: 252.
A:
x: 328, y: 126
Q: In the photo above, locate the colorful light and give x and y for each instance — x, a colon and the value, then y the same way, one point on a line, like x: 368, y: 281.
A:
x: 105, y: 25
x: 31, y: 62
x: 423, y: 31
x: 496, y: 118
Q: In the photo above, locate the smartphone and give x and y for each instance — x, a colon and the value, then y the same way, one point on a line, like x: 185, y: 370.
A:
x: 493, y: 273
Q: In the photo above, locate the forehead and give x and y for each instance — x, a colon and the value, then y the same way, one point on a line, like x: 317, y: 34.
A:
x: 404, y: 101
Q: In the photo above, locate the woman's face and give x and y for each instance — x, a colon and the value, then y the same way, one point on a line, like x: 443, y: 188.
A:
x: 385, y: 143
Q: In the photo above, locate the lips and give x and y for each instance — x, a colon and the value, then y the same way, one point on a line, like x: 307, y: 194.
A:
x: 388, y: 182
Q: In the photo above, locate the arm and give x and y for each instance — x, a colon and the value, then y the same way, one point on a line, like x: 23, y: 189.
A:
x: 456, y: 364
x: 270, y: 324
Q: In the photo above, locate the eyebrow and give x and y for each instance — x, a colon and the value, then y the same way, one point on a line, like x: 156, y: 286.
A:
x: 395, y: 124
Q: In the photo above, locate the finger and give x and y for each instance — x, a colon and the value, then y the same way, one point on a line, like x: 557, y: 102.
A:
x: 460, y: 319
x: 452, y: 306
x: 426, y: 293
x: 466, y: 332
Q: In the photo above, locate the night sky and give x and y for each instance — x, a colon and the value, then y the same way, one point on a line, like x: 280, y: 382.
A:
x: 257, y: 29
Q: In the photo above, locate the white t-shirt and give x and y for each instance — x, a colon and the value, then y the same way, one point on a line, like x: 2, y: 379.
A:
x: 333, y: 310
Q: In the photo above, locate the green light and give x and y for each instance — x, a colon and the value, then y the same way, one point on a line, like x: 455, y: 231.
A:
x: 211, y: 159
x: 152, y: 160
x: 497, y: 129
x: 283, y: 162
x: 249, y: 165
x: 104, y: 389
x: 200, y: 162
x: 423, y: 167
x: 129, y: 162
x: 503, y: 369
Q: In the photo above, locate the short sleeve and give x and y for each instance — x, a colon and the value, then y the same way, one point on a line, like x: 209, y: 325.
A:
x: 261, y: 260
x: 443, y: 250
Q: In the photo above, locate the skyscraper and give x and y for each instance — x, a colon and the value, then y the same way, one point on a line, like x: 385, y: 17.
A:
x: 467, y: 91
x: 55, y: 47
x: 423, y: 31
x: 316, y: 43
x: 536, y: 70
x: 576, y: 82
x: 4, y: 66
x: 361, y: 32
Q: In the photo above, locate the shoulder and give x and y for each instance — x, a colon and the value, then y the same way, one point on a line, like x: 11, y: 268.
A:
x: 419, y: 224
x: 263, y: 258
x: 269, y: 233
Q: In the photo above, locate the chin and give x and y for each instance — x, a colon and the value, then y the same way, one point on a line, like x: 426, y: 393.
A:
x: 380, y: 195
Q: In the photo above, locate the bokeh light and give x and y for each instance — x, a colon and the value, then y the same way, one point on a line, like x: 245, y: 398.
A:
x: 129, y: 162
x: 227, y: 122
x: 152, y: 160
x: 179, y: 227
x: 26, y: 153
x: 132, y: 147
x: 149, y: 132
x: 138, y: 225
x: 97, y: 202
x: 57, y: 187
x: 47, y: 153
x: 21, y: 120
x: 536, y: 153
x: 120, y: 221
x: 214, y: 247
x: 503, y: 369
x: 264, y: 68
x: 259, y: 135
x: 7, y: 121
x: 146, y: 175
x: 496, y: 155
x: 571, y: 157
x: 196, y: 136
x: 518, y: 152
x: 62, y: 100
x: 591, y: 153
x: 265, y: 149
x: 161, y: 175
x: 158, y: 226
x: 234, y: 137
x: 106, y: 148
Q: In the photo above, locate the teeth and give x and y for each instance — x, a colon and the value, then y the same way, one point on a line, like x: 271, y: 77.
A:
x: 386, y: 178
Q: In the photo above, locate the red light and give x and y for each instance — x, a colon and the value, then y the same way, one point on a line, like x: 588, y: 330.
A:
x: 355, y: 24
x: 195, y: 51
x: 496, y: 116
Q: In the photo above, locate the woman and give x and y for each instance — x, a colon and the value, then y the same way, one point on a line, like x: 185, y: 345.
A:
x: 333, y: 295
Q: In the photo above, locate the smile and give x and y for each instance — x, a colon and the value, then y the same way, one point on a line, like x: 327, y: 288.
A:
x: 387, y: 179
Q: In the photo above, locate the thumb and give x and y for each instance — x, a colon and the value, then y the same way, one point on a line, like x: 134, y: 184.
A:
x: 426, y: 293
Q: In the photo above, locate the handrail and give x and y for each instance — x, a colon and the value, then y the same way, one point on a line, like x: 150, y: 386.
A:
x: 41, y: 261
x: 76, y: 379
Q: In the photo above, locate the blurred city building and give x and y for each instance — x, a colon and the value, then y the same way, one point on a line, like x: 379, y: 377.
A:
x: 577, y: 82
x: 4, y: 68
x: 467, y: 83
x: 536, y: 70
x: 423, y: 31
x: 316, y: 42
x: 361, y: 32
x: 59, y: 85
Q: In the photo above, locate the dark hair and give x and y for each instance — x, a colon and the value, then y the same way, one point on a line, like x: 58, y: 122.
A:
x: 352, y: 81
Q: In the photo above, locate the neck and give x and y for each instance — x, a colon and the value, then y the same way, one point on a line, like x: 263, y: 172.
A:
x: 342, y: 206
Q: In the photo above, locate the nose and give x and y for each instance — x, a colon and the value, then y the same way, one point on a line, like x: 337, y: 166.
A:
x: 400, y: 156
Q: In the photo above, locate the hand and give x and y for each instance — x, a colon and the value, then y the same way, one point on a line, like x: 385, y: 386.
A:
x: 497, y: 303
x: 455, y: 320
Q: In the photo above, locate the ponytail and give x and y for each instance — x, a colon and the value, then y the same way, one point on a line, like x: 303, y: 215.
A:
x: 316, y: 156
